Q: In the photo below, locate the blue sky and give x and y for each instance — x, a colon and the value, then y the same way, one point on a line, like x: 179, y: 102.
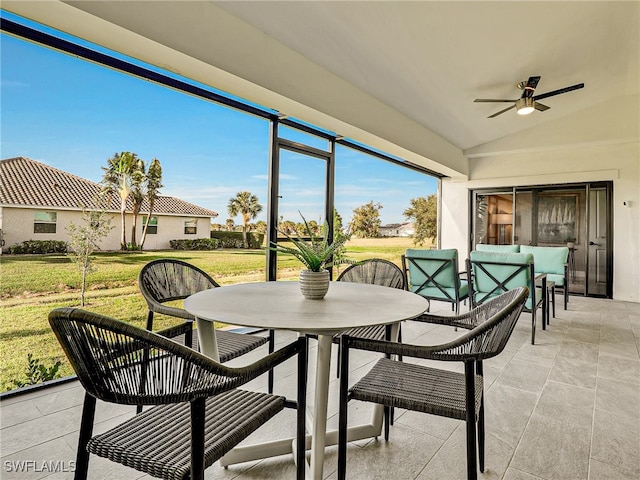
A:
x: 74, y: 115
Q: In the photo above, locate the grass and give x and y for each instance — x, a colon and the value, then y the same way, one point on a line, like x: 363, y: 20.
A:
x: 33, y: 285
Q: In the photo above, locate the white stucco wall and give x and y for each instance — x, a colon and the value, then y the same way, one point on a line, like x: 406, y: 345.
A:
x: 619, y: 163
x: 17, y: 226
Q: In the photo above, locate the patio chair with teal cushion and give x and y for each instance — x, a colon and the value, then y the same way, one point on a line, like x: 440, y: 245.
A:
x: 428, y: 389
x: 491, y: 274
x: 434, y: 275
x: 197, y: 412
x: 554, y: 261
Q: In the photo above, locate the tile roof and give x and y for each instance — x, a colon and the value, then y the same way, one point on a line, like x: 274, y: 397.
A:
x: 25, y: 182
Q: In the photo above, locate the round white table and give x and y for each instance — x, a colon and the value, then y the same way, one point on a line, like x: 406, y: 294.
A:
x: 281, y: 306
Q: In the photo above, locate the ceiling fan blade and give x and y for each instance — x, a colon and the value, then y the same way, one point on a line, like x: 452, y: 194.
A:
x: 531, y: 85
x: 485, y: 100
x: 558, y: 92
x: 540, y: 106
x: 501, y: 111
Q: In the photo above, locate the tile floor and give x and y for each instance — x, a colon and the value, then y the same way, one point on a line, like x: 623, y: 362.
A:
x: 565, y: 408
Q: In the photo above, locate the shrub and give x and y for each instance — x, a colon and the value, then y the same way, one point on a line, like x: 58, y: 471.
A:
x: 39, y: 247
x: 36, y: 372
x: 194, y: 244
x: 234, y: 239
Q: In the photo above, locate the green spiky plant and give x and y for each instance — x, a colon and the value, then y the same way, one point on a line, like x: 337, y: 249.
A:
x: 316, y: 253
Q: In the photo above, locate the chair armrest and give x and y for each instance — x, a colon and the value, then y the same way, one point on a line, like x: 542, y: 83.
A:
x: 467, y: 320
x: 216, y: 378
x: 171, y: 311
x: 176, y: 330
x: 470, y: 345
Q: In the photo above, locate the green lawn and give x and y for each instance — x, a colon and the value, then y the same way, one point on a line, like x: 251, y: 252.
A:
x: 32, y: 285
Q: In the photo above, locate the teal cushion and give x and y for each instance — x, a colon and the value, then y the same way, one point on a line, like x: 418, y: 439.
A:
x: 435, y: 293
x: 484, y: 283
x: 479, y: 296
x: 552, y: 277
x: 430, y: 261
x: 548, y: 259
x: 483, y: 247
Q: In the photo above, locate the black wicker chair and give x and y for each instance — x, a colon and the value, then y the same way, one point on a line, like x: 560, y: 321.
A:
x: 166, y: 280
x: 374, y: 271
x: 430, y: 390
x: 198, y: 413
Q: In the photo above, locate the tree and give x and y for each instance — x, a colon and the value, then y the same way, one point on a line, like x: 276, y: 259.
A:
x: 339, y: 237
x: 261, y: 226
x: 154, y: 184
x: 84, y: 239
x: 138, y: 193
x: 366, y: 220
x: 230, y: 224
x: 246, y: 204
x: 424, y: 213
x: 117, y: 180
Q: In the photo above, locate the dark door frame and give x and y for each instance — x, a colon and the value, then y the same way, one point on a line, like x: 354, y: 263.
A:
x: 608, y: 185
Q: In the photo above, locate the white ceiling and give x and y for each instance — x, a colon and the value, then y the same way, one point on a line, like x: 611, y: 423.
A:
x: 430, y: 60
x: 386, y: 73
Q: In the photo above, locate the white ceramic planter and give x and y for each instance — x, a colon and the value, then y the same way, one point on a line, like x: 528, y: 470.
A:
x: 314, y: 285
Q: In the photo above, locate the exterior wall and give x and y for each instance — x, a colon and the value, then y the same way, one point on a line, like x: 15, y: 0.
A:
x: 619, y: 162
x: 169, y: 228
x: 17, y: 226
x: 404, y: 230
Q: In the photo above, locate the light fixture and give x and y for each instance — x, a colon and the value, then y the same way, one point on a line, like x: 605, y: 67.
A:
x: 502, y: 220
x: 524, y: 105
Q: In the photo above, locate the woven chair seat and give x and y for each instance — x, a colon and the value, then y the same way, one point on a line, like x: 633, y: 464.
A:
x: 416, y: 387
x: 169, y: 455
x: 376, y: 332
x: 230, y: 344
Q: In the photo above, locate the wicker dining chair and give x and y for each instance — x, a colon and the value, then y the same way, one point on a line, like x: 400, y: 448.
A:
x: 198, y: 412
x: 431, y: 390
x: 374, y: 271
x: 166, y: 280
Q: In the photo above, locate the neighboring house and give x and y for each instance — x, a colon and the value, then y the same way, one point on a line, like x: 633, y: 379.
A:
x: 38, y: 202
x: 397, y: 230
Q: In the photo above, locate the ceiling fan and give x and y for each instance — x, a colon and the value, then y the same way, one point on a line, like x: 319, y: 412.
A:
x: 527, y: 102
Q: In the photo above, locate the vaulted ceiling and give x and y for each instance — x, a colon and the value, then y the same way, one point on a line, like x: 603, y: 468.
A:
x: 400, y: 76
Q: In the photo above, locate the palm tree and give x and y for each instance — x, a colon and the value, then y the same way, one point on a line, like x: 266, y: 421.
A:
x: 117, y: 180
x: 138, y: 180
x: 245, y: 204
x: 154, y: 184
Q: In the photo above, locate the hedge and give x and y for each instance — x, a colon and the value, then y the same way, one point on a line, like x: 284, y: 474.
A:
x: 39, y: 247
x: 234, y: 239
x: 194, y: 244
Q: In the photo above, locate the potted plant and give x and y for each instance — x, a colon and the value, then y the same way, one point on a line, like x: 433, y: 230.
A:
x: 317, y: 255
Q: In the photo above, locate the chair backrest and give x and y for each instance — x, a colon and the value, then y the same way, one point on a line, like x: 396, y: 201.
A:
x: 490, y: 337
x: 118, y: 362
x: 483, y: 247
x: 494, y: 273
x: 431, y: 269
x: 375, y: 271
x: 548, y: 259
x: 168, y: 279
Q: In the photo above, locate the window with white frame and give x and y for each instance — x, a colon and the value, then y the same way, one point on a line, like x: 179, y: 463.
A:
x: 45, y: 222
x: 191, y: 226
x: 153, y: 225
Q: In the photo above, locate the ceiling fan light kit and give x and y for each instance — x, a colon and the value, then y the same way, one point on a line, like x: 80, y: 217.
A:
x: 527, y: 102
x: 524, y: 106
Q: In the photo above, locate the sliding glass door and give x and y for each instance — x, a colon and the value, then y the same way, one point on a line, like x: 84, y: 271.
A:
x: 578, y: 216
